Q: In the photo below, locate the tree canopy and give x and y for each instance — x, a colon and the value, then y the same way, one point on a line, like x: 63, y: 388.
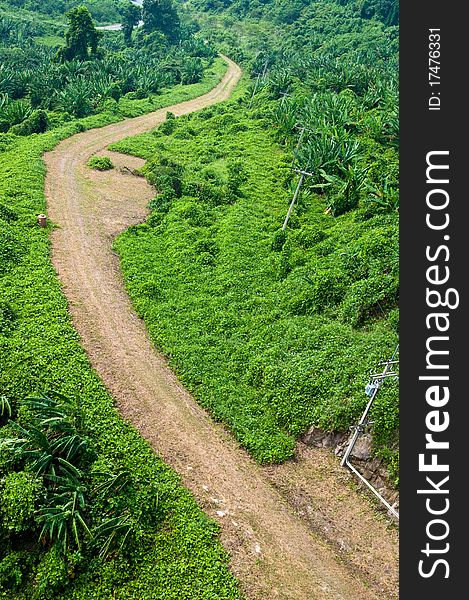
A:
x: 81, y: 39
x: 160, y: 15
x: 131, y: 15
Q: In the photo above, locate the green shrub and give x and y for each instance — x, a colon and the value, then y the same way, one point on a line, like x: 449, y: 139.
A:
x: 7, y: 213
x: 52, y: 575
x: 375, y: 252
x: 162, y: 202
x: 14, y: 569
x: 100, y: 163
x: 19, y: 495
x: 393, y: 318
x: 8, y: 318
x: 166, y: 175
x: 236, y: 177
x: 37, y: 122
x: 194, y: 213
x: 279, y: 239
x: 169, y: 126
x: 10, y: 247
x: 369, y: 298
x: 7, y: 140
x: 309, y: 236
x: 318, y: 290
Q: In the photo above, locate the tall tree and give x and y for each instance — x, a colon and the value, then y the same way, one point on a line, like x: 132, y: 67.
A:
x: 160, y: 15
x: 81, y: 39
x: 131, y: 16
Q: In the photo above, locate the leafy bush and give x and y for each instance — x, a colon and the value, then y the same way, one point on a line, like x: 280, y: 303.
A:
x: 20, y: 493
x: 8, y: 317
x: 369, y: 298
x: 100, y: 163
x: 14, y: 569
x: 10, y: 247
x: 319, y: 289
x: 37, y: 122
x: 279, y: 239
x: 52, y: 575
x: 15, y: 113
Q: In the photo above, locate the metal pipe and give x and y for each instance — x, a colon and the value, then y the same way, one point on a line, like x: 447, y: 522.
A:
x: 292, y: 203
x: 377, y: 381
x: 374, y: 490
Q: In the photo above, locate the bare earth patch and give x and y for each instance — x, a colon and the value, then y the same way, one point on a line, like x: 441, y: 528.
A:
x: 298, y: 531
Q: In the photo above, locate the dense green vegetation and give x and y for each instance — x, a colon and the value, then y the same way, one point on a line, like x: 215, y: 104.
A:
x: 86, y: 508
x: 100, y: 163
x: 272, y: 330
x: 104, y: 11
x: 41, y: 87
x: 170, y: 548
x: 277, y: 330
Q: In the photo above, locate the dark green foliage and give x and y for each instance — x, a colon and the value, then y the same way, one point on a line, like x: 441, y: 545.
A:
x: 81, y: 38
x: 20, y: 494
x: 101, y: 10
x: 191, y: 70
x: 131, y: 15
x: 7, y: 318
x: 14, y: 113
x: 161, y: 16
x: 279, y: 239
x: 88, y: 79
x: 37, y: 122
x: 385, y: 10
x: 52, y: 575
x: 317, y: 290
x: 10, y: 247
x: 14, y: 568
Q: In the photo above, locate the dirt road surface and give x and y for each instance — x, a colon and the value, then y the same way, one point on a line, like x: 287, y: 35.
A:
x: 296, y: 531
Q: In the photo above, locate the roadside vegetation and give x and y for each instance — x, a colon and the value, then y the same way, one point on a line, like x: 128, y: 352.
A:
x: 272, y: 330
x: 103, y: 11
x: 86, y: 508
x: 100, y: 163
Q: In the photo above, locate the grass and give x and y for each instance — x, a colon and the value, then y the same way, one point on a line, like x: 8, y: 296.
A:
x: 51, y: 41
x: 271, y: 333
x: 40, y: 351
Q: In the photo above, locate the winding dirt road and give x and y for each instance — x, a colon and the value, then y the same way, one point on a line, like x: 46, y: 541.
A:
x: 284, y: 537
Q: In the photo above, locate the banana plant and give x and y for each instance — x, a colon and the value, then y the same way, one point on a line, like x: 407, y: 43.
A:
x: 64, y: 519
x: 385, y: 197
x: 345, y: 189
x: 112, y: 534
x: 16, y: 112
x: 5, y: 407
x: 111, y: 484
x: 33, y: 447
x: 50, y: 438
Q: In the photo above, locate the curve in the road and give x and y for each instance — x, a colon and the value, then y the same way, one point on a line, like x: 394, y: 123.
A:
x: 274, y: 552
